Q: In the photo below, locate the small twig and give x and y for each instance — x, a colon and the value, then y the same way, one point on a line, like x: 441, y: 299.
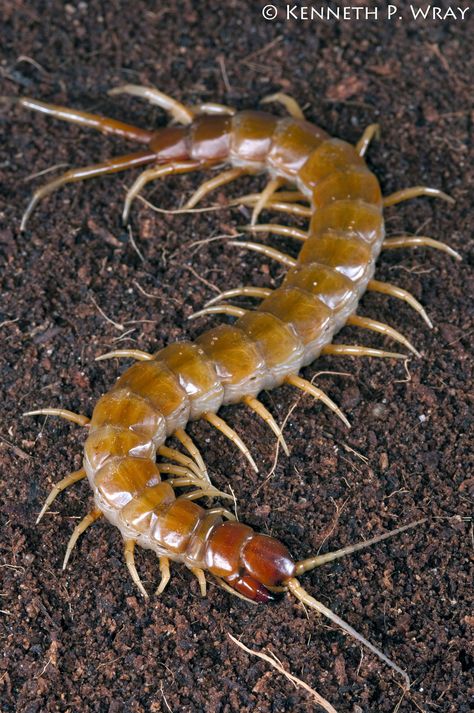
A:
x: 201, y: 279
x: 117, y: 325
x: 44, y: 172
x: 297, y: 681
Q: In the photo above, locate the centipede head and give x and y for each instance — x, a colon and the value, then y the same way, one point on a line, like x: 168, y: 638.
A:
x: 251, y: 564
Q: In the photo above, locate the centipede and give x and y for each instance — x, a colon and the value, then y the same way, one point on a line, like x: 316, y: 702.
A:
x: 141, y: 484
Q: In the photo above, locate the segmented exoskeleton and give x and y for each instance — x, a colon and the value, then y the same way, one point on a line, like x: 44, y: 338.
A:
x: 266, y: 347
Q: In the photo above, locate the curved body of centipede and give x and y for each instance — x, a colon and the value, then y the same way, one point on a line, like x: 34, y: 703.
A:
x: 266, y: 347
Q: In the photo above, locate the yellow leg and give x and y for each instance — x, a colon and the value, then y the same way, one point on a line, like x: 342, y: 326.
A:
x: 173, y: 454
x: 247, y: 291
x: 165, y: 575
x: 62, y: 413
x: 193, y: 450
x: 265, y: 196
x: 201, y: 578
x: 387, y: 288
x: 151, y: 174
x: 224, y: 428
x: 59, y: 487
x: 221, y: 179
x: 290, y: 104
x: 367, y: 323
x: 309, y: 388
x: 419, y: 241
x: 364, y: 141
x: 356, y: 350
x: 231, y: 310
x: 129, y: 552
x: 284, y: 230
x: 137, y: 354
x: 271, y: 253
x: 181, y: 113
x: 415, y: 192
x: 261, y: 411
x: 78, y: 530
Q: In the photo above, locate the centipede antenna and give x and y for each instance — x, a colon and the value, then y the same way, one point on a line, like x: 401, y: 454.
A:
x: 59, y: 487
x: 366, y: 323
x: 313, y: 390
x: 290, y: 104
x: 246, y: 291
x: 180, y: 112
x: 129, y: 553
x: 151, y: 174
x: 165, y: 575
x: 207, y: 187
x: 229, y: 309
x: 261, y: 411
x: 174, y: 455
x: 136, y: 354
x: 307, y: 565
x: 273, y: 254
x: 193, y: 450
x: 271, y: 187
x: 418, y: 241
x: 373, y: 130
x: 201, y: 578
x: 74, y: 175
x: 355, y: 350
x: 295, y: 588
x: 415, y: 192
x: 275, y: 229
x: 387, y: 288
x: 224, y: 428
x: 77, y: 418
x: 88, y: 520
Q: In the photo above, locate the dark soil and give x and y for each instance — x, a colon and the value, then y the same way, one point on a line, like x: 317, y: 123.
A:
x: 84, y: 640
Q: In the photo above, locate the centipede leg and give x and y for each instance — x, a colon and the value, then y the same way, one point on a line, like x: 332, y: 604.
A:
x: 77, y: 418
x: 415, y: 192
x: 150, y: 175
x: 201, y: 578
x: 221, y: 179
x: 91, y: 121
x: 70, y: 479
x: 367, y: 323
x: 231, y: 310
x: 309, y: 388
x: 224, y: 428
x: 112, y: 165
x: 271, y: 253
x: 180, y: 112
x: 246, y: 291
x: 174, y: 455
x: 271, y: 187
x: 193, y: 450
x: 137, y: 354
x: 261, y: 411
x: 129, y: 553
x: 387, y: 288
x: 364, y: 141
x: 222, y: 511
x: 88, y: 520
x: 290, y: 104
x: 165, y: 575
x: 355, y: 350
x: 275, y: 229
x: 418, y: 241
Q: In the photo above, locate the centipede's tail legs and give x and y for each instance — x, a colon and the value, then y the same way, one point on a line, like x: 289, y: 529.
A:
x: 306, y: 565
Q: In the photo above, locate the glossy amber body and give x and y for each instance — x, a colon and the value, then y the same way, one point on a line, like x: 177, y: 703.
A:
x: 152, y: 399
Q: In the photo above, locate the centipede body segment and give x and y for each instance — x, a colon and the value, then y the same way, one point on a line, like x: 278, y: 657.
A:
x: 265, y: 347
